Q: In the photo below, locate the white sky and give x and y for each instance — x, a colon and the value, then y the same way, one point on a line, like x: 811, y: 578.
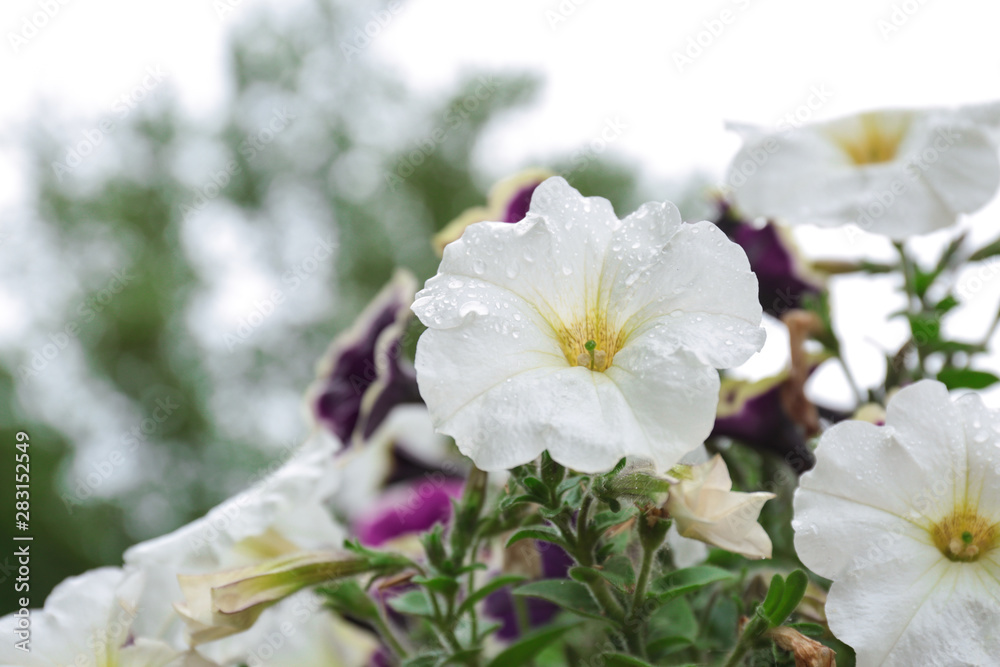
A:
x: 601, y: 61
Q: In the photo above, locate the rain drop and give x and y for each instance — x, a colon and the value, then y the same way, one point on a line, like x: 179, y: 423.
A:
x: 473, y: 307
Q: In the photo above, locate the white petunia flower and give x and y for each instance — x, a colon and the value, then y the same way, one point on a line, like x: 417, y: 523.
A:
x: 589, y: 336
x: 905, y: 519
x: 704, y: 507
x: 88, y: 621
x: 898, y: 173
x: 282, y: 513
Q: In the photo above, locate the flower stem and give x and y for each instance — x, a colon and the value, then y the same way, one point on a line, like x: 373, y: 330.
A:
x: 914, y: 304
x: 640, y: 586
x: 390, y: 637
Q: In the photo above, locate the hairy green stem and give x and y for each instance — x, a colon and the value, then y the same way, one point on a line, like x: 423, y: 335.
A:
x: 390, y: 637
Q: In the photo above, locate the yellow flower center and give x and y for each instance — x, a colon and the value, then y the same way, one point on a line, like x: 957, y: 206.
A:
x: 965, y: 536
x: 873, y: 139
x: 591, y: 343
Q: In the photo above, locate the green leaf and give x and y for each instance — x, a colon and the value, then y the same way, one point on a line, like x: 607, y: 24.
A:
x: 949, y: 254
x: 347, y: 597
x: 793, y: 590
x: 966, y: 378
x: 922, y: 281
x: 570, y: 595
x: 774, y: 594
x: 946, y: 304
x: 667, y: 645
x: 569, y: 483
x: 525, y: 649
x: 604, y: 520
x: 926, y: 328
x: 511, y: 501
x: 469, y: 656
x: 623, y: 660
x: 672, y: 620
x: 537, y: 488
x: 619, y: 572
x: 426, y: 660
x: 681, y: 582
x: 414, y: 603
x: 545, y: 533
x: 491, y: 587
x: 442, y: 585
x: 808, y: 629
x: 986, y: 252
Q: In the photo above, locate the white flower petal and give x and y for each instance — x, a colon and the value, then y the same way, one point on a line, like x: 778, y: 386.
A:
x: 945, y: 163
x: 982, y: 441
x: 689, y: 281
x: 551, y: 259
x: 928, y: 611
x: 885, y: 513
x: 503, y: 366
x: 669, y: 396
x: 685, y: 552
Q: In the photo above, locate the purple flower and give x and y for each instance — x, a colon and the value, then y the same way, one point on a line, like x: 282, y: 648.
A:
x: 754, y: 413
x: 781, y: 277
x: 363, y: 374
x: 409, y: 508
x: 552, y: 563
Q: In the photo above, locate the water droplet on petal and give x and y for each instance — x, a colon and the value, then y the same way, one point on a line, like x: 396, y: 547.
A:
x: 479, y: 266
x: 473, y: 307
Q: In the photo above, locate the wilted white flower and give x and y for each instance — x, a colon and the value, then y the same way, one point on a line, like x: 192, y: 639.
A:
x: 898, y: 173
x: 704, y: 507
x: 905, y: 519
x: 283, y: 513
x: 88, y: 621
x: 589, y: 336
